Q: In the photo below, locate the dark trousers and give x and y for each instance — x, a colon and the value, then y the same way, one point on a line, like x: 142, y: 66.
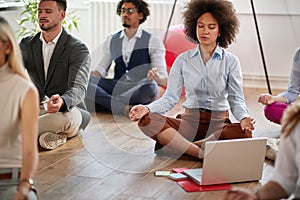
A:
x: 113, y: 94
x: 193, y: 126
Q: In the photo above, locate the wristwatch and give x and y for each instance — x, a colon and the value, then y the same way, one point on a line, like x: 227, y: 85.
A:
x: 28, y: 181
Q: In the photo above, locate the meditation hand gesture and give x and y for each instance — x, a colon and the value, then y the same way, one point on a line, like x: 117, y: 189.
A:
x: 95, y: 73
x: 153, y: 74
x: 55, y: 103
x: 138, y: 112
x: 247, y: 124
x: 266, y: 99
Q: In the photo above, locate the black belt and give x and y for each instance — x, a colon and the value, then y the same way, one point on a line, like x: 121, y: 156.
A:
x: 8, y: 176
x: 191, y: 110
x: 9, y: 173
x: 204, y: 110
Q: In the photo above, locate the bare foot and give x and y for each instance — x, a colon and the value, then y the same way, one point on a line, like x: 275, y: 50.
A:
x: 199, y: 143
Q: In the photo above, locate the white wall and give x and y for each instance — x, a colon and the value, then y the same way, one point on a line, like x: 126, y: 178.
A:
x: 279, y: 28
x: 12, y: 15
x: 278, y: 22
x: 81, y: 8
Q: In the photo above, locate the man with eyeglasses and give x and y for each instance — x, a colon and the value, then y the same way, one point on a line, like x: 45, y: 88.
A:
x: 139, y: 59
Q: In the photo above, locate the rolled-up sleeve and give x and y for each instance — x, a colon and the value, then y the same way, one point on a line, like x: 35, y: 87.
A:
x: 294, y: 83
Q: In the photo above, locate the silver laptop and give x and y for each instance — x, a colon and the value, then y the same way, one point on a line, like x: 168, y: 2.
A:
x: 230, y: 161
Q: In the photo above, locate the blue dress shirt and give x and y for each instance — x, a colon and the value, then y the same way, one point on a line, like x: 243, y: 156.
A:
x: 294, y: 83
x: 216, y: 85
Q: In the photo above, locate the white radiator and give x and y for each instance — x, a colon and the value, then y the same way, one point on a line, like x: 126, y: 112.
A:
x: 104, y: 19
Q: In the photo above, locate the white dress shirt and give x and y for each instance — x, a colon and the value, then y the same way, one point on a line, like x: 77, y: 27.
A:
x: 48, y: 48
x: 156, y: 50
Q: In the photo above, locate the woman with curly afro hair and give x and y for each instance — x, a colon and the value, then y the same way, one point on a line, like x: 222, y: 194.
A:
x: 212, y: 79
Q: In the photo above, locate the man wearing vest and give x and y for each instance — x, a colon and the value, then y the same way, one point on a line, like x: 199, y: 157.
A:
x: 139, y: 59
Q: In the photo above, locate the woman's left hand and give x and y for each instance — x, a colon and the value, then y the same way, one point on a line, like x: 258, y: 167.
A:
x: 247, y: 124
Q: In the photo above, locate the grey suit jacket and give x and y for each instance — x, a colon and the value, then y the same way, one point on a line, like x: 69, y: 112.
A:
x: 68, y: 71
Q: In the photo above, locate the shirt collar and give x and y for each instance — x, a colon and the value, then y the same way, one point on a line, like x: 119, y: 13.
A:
x: 138, y: 33
x: 53, y: 41
x: 218, y: 52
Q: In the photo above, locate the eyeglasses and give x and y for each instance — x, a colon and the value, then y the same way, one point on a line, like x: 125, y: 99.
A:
x: 129, y: 11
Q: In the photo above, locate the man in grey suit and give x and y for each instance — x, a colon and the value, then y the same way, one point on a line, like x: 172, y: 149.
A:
x: 58, y: 64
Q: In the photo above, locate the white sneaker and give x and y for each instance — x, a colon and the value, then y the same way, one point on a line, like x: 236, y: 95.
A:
x: 49, y: 140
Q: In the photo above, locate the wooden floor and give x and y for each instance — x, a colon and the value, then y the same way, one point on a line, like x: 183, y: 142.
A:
x: 112, y: 159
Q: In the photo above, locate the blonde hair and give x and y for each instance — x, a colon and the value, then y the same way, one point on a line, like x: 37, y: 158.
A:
x: 15, y: 61
x: 291, y: 117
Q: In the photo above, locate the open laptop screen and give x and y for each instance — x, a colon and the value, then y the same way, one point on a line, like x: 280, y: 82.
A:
x: 231, y: 161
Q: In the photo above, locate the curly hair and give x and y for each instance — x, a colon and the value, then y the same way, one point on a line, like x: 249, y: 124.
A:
x: 290, y: 118
x: 140, y: 5
x: 222, y: 10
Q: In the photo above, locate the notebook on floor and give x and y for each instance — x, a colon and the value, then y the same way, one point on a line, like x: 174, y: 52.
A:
x: 230, y: 161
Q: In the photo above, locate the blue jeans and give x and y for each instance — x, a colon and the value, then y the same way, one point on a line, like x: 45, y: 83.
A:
x: 8, y: 187
x: 113, y: 94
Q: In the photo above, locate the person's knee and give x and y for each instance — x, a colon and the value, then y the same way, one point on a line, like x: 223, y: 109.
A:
x: 149, y: 92
x: 74, y: 120
x: 151, y: 124
x: 66, y: 122
x: 145, y: 125
x: 144, y: 121
x: 274, y: 111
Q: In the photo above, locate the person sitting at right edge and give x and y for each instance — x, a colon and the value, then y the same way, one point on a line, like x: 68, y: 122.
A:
x: 285, y: 182
x: 275, y: 105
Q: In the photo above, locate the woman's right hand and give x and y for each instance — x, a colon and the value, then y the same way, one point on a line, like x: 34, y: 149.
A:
x: 138, y: 112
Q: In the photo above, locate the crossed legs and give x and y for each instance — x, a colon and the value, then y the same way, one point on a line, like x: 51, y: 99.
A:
x: 114, y: 95
x: 187, y: 133
x: 61, y: 122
